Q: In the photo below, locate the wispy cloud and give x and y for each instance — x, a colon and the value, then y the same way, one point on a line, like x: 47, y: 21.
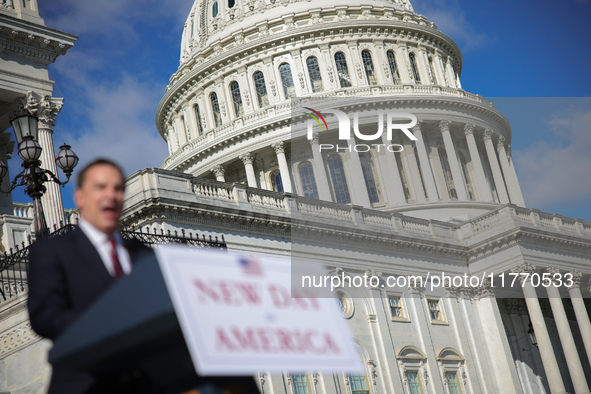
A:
x: 554, y: 174
x: 451, y: 19
x: 112, y: 17
x: 120, y: 125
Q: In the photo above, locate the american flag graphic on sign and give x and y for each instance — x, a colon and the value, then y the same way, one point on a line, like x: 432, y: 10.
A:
x: 251, y: 266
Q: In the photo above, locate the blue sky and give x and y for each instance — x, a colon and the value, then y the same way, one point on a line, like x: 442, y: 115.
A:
x: 115, y: 75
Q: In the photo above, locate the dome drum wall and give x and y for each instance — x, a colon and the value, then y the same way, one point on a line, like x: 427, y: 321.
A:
x: 219, y: 58
x: 231, y: 102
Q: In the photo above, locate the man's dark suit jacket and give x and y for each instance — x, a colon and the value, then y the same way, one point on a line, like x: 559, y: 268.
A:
x: 66, y: 275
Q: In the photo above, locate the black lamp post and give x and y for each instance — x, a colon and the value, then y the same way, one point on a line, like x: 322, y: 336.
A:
x: 26, y: 130
x: 532, y: 335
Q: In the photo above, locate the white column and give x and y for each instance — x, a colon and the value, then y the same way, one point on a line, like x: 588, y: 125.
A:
x: 394, y: 187
x: 569, y: 348
x: 299, y: 71
x: 483, y: 191
x: 438, y: 66
x: 356, y: 70
x: 219, y: 171
x: 279, y: 148
x: 541, y: 332
x: 413, y: 176
x: 247, y: 159
x: 494, y: 166
x: 360, y: 195
x: 180, y: 130
x: 403, y: 66
x: 425, y: 164
x: 192, y: 119
x: 452, y: 158
x: 450, y: 73
x: 581, y: 311
x: 47, y: 110
x: 189, y: 126
x: 320, y: 170
x: 381, y: 59
x: 510, y: 175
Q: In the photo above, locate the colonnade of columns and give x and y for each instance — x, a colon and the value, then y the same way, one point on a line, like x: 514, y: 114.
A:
x: 423, y: 172
x: 575, y: 368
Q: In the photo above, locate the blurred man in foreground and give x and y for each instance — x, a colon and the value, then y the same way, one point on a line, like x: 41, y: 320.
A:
x: 67, y: 273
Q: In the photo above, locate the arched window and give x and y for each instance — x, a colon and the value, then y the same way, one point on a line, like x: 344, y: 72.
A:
x: 261, y: 89
x: 276, y: 182
x: 339, y: 181
x: 287, y: 81
x: 300, y: 383
x: 308, y: 180
x: 394, y: 67
x: 314, y: 73
x: 449, y: 181
x: 414, y: 382
x: 342, y: 69
x: 231, y: 3
x: 358, y: 384
x: 236, y: 99
x: 414, y: 68
x: 434, y: 79
x: 453, y: 383
x: 411, y: 360
x: 466, y: 176
x: 214, y: 9
x: 371, y: 177
x: 370, y: 71
x: 198, y: 120
x: 215, y: 107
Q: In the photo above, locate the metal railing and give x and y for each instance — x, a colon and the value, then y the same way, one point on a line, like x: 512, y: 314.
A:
x: 15, y: 266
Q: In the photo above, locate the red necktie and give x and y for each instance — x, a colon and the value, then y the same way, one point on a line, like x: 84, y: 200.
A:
x: 115, y: 258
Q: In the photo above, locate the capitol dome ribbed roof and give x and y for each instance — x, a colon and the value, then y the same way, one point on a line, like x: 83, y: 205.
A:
x: 212, y: 21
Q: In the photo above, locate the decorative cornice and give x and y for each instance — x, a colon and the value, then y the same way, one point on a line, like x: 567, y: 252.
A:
x: 32, y: 41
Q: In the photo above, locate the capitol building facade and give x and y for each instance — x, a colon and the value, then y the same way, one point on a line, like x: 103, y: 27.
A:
x: 251, y: 160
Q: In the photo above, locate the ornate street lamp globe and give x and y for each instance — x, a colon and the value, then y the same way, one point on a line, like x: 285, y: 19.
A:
x: 66, y: 159
x: 29, y: 149
x: 227, y: 113
x: 24, y: 125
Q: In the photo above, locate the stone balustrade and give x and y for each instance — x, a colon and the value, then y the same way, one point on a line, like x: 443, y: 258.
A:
x: 288, y: 206
x: 23, y: 210
x: 529, y: 218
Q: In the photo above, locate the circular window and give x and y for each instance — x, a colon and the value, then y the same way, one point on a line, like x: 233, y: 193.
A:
x: 345, y: 304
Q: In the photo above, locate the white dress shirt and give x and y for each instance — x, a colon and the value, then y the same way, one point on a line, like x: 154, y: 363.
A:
x: 103, y: 246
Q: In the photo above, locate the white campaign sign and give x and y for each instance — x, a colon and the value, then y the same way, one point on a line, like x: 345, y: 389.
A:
x: 238, y: 317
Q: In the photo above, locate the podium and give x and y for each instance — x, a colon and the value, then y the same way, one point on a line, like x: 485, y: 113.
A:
x: 133, y: 326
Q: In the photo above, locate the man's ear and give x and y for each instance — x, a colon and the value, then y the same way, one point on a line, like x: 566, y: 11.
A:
x: 78, y: 197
